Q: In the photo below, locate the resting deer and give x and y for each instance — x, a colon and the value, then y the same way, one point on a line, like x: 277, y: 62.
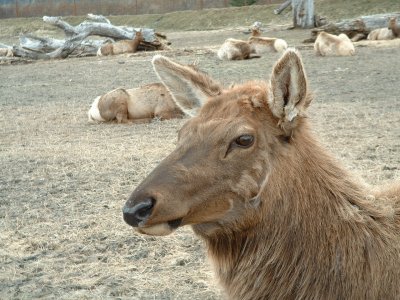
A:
x: 120, y: 47
x: 329, y: 44
x: 138, y: 105
x: 6, y: 52
x: 389, y: 33
x: 233, y: 49
x: 266, y: 44
x: 256, y: 29
x: 281, y: 218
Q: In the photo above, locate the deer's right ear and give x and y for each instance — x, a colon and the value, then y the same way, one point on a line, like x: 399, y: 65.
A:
x: 289, y: 97
x: 189, y: 88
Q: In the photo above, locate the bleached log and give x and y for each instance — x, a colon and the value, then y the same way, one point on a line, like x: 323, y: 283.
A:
x: 61, y: 52
x: 35, y: 43
x: 101, y: 29
x: 76, y: 44
x: 5, y: 46
x: 282, y: 7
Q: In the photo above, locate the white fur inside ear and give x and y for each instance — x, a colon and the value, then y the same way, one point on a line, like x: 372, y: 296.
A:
x: 288, y: 87
x: 291, y: 112
x: 178, y: 79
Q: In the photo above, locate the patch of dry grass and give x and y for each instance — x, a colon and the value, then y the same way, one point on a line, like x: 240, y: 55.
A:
x: 210, y: 19
x: 63, y: 181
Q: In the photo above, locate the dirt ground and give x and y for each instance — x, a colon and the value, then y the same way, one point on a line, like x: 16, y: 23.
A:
x: 63, y: 181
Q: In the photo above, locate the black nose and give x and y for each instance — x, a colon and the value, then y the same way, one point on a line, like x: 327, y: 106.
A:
x: 138, y: 214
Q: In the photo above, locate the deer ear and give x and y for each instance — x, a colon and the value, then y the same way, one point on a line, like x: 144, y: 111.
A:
x: 288, y: 97
x: 189, y: 87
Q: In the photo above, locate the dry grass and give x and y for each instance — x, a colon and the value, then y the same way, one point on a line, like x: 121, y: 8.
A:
x: 211, y: 19
x: 64, y: 182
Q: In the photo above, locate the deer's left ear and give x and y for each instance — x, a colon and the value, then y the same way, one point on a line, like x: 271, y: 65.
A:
x: 189, y: 87
x: 288, y: 96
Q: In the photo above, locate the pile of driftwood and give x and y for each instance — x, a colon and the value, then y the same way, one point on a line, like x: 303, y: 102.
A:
x: 76, y: 42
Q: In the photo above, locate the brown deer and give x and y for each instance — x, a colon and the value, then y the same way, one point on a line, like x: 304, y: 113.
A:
x: 267, y: 44
x: 281, y: 218
x: 233, y: 49
x: 137, y: 105
x: 256, y: 29
x: 394, y: 27
x: 329, y: 44
x: 120, y: 47
x: 387, y: 33
x: 6, y: 52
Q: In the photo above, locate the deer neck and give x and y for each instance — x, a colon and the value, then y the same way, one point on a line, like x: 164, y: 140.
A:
x: 395, y: 30
x: 310, y: 215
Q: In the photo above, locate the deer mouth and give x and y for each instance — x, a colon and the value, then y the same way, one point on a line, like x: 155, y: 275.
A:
x: 161, y: 229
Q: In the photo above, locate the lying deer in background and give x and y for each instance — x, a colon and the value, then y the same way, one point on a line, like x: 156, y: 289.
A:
x: 120, y: 47
x: 329, y: 44
x: 281, y: 218
x: 389, y: 33
x: 267, y: 44
x: 138, y: 105
x: 233, y: 49
x: 142, y: 104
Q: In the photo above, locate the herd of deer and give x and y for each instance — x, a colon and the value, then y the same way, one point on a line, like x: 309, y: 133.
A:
x: 281, y: 218
x: 142, y: 104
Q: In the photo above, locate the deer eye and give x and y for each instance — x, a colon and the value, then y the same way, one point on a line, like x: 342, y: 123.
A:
x: 244, y: 141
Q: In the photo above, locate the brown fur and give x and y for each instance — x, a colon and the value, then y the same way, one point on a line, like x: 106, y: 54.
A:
x: 265, y: 44
x: 394, y: 27
x: 281, y: 218
x: 329, y: 44
x: 138, y: 105
x: 233, y: 49
x: 389, y: 33
x: 255, y: 31
x: 123, y: 46
x: 6, y: 52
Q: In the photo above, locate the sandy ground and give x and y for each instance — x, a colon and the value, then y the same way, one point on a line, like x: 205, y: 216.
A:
x: 63, y: 182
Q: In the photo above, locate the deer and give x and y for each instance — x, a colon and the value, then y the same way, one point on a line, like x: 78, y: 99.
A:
x: 234, y: 49
x: 7, y: 52
x: 280, y: 216
x: 329, y: 44
x: 386, y: 33
x: 136, y: 105
x: 120, y: 47
x: 255, y: 29
x: 267, y: 44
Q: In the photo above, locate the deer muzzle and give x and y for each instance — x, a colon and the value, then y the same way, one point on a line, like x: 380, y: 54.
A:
x: 137, y: 215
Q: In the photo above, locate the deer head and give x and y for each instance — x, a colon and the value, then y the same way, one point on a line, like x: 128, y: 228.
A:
x: 225, y: 153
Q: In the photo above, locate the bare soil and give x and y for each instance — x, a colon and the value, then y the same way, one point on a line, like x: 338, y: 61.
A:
x: 63, y: 181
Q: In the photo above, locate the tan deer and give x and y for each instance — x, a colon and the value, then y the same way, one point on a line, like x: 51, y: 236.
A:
x: 282, y: 219
x: 389, y: 33
x: 267, y: 44
x: 138, y: 105
x: 233, y: 49
x: 256, y: 29
x: 329, y: 44
x: 6, y: 52
x: 120, y: 47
